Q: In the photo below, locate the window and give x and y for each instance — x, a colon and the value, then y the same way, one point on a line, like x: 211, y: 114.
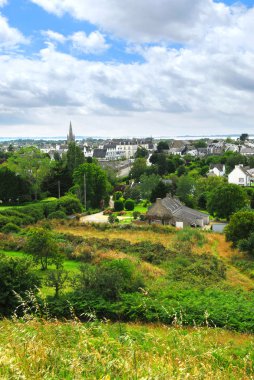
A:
x: 241, y: 180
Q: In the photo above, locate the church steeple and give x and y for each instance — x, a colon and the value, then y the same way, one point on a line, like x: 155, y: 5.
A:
x: 70, y: 136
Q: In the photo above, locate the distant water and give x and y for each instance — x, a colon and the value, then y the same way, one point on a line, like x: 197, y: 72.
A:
x: 63, y: 138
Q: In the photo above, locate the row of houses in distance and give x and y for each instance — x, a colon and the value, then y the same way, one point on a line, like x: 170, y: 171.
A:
x: 184, y: 147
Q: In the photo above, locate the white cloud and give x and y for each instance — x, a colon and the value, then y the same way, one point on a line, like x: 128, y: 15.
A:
x: 54, y: 36
x: 9, y: 37
x: 94, y: 43
x: 204, y: 87
x: 143, y: 20
x: 3, y: 3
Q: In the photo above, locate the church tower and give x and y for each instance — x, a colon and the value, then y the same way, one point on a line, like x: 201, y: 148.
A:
x: 70, y: 136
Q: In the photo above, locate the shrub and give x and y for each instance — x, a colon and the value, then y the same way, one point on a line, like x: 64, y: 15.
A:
x: 113, y: 219
x: 240, y: 226
x: 36, y: 212
x: 70, y: 204
x: 247, y: 245
x: 10, y: 227
x: 108, y: 211
x: 129, y: 204
x: 118, y: 205
x: 118, y: 195
x: 110, y: 278
x: 50, y: 207
x: 83, y: 253
x: 16, y: 275
x: 136, y: 214
x: 57, y: 215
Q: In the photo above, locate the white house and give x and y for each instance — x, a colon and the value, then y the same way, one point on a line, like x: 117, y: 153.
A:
x: 88, y: 151
x: 217, y: 170
x: 241, y: 176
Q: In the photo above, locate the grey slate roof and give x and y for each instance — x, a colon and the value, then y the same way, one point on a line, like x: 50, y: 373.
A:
x: 218, y: 166
x: 99, y: 153
x: 172, y: 208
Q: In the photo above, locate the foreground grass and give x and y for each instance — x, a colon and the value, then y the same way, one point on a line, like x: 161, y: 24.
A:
x: 73, y: 350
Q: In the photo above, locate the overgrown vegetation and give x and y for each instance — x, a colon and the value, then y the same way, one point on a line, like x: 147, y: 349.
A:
x: 154, y: 275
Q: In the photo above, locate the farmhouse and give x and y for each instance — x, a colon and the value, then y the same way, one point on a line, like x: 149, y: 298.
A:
x: 171, y: 211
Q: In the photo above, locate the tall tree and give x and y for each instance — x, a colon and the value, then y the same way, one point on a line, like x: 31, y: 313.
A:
x: 147, y: 184
x: 13, y: 187
x: 97, y: 184
x: 139, y: 167
x: 226, y: 199
x: 75, y: 157
x: 186, y: 190
x: 32, y: 165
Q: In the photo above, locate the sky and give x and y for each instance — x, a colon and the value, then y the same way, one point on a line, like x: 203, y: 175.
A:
x: 126, y: 67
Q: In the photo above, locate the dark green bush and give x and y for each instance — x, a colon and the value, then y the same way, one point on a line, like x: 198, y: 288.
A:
x: 57, y: 215
x: 118, y: 205
x: 10, y: 227
x: 16, y: 275
x: 70, y: 204
x: 129, y: 204
x: 50, y: 207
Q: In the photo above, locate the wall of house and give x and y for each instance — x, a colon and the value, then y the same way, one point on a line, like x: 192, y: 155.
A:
x: 237, y: 177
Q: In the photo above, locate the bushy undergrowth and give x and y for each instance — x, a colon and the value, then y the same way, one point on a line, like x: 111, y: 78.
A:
x: 25, y: 215
x: 146, y: 281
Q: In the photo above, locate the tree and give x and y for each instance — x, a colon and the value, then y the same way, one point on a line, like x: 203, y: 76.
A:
x: 97, y: 184
x: 244, y: 136
x: 75, y: 157
x: 171, y: 167
x: 181, y: 170
x: 141, y: 153
x: 147, y: 184
x: 200, y: 144
x: 132, y: 192
x: 57, y: 279
x: 240, y: 227
x: 58, y: 175
x: 225, y: 200
x: 16, y: 275
x: 42, y: 246
x: 32, y: 165
x: 163, y: 145
x: 160, y: 191
x: 186, y: 190
x: 139, y: 167
x: 13, y: 187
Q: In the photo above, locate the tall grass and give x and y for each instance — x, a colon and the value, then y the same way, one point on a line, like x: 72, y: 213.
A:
x: 54, y: 350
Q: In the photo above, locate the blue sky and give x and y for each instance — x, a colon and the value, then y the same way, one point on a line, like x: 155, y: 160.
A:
x: 125, y: 68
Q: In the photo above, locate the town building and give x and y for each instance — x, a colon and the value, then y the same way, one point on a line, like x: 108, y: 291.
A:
x: 241, y: 175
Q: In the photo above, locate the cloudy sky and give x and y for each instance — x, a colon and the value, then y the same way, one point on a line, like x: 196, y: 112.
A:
x: 126, y: 67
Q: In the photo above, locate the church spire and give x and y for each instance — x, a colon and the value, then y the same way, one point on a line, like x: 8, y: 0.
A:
x: 70, y: 136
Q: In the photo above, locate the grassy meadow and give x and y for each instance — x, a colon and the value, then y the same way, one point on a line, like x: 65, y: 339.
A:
x: 54, y: 350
